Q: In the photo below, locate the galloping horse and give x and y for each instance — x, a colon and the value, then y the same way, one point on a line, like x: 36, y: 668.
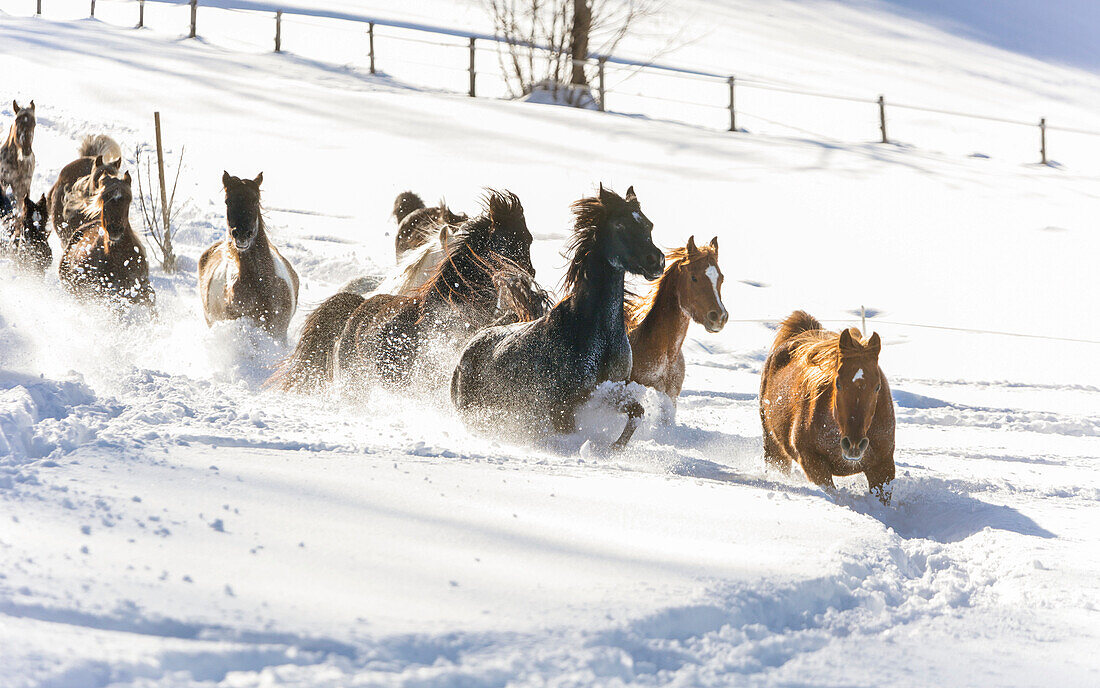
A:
x: 381, y: 338
x: 825, y: 403
x: 690, y: 289
x: 30, y: 245
x: 16, y: 154
x: 78, y: 181
x: 417, y: 224
x: 104, y: 257
x: 244, y: 275
x: 544, y: 370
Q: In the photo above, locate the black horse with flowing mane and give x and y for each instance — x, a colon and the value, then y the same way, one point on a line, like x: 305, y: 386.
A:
x: 544, y: 370
x: 358, y: 341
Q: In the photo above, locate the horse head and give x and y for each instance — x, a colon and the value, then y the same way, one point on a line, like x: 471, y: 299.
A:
x: 509, y: 237
x: 113, y: 199
x: 629, y: 244
x: 24, y: 126
x: 242, y: 209
x: 34, y: 218
x: 699, y: 285
x: 858, y: 383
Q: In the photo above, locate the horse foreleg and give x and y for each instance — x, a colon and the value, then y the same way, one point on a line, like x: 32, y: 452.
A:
x: 634, y: 410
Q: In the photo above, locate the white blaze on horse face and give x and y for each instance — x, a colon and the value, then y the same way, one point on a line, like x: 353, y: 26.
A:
x: 712, y: 273
x: 858, y: 375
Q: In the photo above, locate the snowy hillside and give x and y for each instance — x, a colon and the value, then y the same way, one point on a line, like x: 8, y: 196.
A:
x: 166, y: 521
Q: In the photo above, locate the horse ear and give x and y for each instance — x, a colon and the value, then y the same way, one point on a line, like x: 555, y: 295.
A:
x: 714, y: 243
x: 97, y: 166
x: 15, y: 108
x: 42, y: 201
x: 259, y: 179
x: 847, y: 344
x: 127, y: 178
x: 691, y: 247
x: 28, y: 206
x: 874, y: 344
x: 630, y: 196
x: 225, y: 179
x: 32, y: 106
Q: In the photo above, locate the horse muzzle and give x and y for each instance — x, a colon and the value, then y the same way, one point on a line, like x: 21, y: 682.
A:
x: 716, y: 320
x: 854, y: 452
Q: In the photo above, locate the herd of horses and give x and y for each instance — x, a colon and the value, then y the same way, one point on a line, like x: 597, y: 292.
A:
x: 462, y: 309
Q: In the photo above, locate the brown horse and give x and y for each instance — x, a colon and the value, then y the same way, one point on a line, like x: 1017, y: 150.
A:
x: 417, y: 224
x: 104, y: 258
x: 382, y: 338
x: 825, y: 403
x: 78, y: 181
x: 245, y: 276
x: 16, y: 154
x: 690, y: 289
x: 30, y: 244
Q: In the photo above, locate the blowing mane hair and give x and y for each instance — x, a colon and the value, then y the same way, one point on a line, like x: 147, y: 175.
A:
x: 816, y: 353
x: 589, y: 214
x: 466, y: 271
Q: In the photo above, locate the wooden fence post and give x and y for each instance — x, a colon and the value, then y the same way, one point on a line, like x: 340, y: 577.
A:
x: 473, y: 73
x: 370, y: 35
x: 603, y: 91
x: 141, y: 14
x: 38, y: 11
x: 733, y: 112
x: 167, y: 247
x: 1043, y: 139
x: 279, y: 31
x: 92, y: 14
x: 194, y: 15
x: 882, y: 118
x: 863, y: 320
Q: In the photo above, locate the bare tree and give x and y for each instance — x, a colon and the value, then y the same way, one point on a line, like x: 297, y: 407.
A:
x: 157, y: 220
x: 548, y: 43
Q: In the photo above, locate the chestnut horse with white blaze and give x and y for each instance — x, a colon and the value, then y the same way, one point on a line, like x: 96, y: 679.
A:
x: 690, y: 289
x: 104, y: 258
x: 245, y: 276
x: 825, y: 403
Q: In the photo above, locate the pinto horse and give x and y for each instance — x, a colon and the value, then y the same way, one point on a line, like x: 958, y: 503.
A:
x: 104, y: 258
x: 417, y: 224
x: 17, y: 154
x: 825, y: 403
x: 244, y: 275
x: 382, y: 338
x: 529, y: 373
x: 30, y: 245
x: 690, y: 289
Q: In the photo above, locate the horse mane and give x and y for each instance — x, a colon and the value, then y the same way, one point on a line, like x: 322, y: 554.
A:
x: 500, y: 209
x: 637, y: 307
x: 816, y: 354
x: 589, y: 215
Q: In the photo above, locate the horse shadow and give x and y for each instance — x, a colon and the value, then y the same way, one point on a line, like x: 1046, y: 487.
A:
x: 939, y: 509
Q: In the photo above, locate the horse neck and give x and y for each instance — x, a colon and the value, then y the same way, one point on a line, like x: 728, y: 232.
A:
x: 598, y: 296
x: 11, y: 142
x: 666, y: 319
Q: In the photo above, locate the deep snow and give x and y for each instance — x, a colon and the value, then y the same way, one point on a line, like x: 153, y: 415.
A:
x: 165, y: 521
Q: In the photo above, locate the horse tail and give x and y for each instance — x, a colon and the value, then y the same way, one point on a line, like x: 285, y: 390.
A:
x: 310, y: 366
x: 405, y: 203
x: 100, y: 144
x: 795, y: 324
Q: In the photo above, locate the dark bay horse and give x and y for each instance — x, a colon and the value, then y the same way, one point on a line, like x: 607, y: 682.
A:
x: 17, y: 154
x: 78, y: 182
x: 690, y: 289
x: 825, y: 403
x: 30, y: 245
x: 535, y: 375
x: 244, y: 275
x: 104, y: 258
x: 382, y: 338
x: 416, y: 223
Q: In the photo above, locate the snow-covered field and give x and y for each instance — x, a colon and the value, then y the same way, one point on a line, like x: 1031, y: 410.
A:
x: 165, y: 521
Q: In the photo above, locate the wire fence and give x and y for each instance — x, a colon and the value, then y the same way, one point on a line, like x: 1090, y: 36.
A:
x: 450, y: 51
